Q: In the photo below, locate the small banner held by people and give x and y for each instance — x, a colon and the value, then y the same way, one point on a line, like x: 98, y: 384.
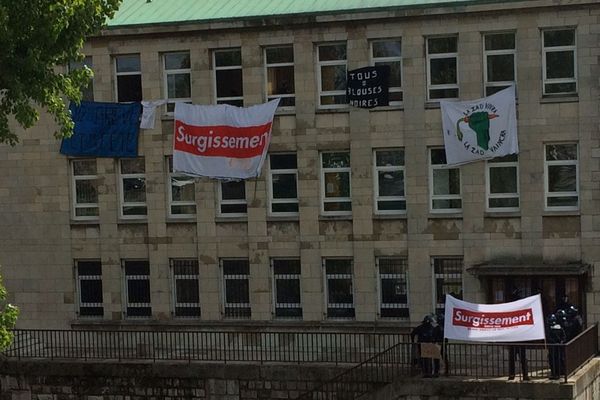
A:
x: 368, y: 87
x: 517, y: 321
x: 103, y: 130
x: 480, y: 129
x: 222, y: 141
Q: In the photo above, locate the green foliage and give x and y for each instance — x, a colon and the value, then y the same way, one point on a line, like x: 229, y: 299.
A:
x: 8, y: 318
x: 36, y: 36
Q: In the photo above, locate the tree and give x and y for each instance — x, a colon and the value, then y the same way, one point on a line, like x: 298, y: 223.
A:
x: 8, y: 318
x: 36, y: 36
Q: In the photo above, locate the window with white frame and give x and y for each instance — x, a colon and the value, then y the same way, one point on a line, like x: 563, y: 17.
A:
x: 228, y: 77
x: 177, y: 71
x: 89, y: 288
x: 236, y: 289
x: 335, y: 183
x: 502, y: 177
x: 393, y: 287
x: 499, y: 61
x: 84, y: 189
x: 283, y: 184
x: 339, y: 292
x: 562, y: 176
x: 182, y: 194
x: 389, y: 181
x: 132, y: 173
x: 442, y: 68
x: 559, y: 61
x: 87, y: 93
x: 232, y: 199
x: 286, y: 287
x: 137, y: 288
x: 447, y: 276
x: 128, y: 78
x: 331, y: 75
x: 389, y: 52
x: 279, y: 65
x: 185, y: 288
x: 444, y: 184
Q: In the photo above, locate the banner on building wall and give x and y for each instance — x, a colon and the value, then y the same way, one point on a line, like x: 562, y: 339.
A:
x: 516, y: 321
x: 480, y: 129
x: 103, y: 130
x: 368, y: 87
x: 222, y: 141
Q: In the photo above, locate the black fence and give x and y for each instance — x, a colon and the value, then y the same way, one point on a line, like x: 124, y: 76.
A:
x: 218, y: 346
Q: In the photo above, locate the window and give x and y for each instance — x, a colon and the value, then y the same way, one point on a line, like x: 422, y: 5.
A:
x: 279, y: 64
x: 562, y: 176
x: 89, y: 288
x: 232, y: 199
x: 389, y: 181
x: 84, y: 189
x: 176, y: 74
x: 502, y: 176
x: 128, y: 78
x: 228, y: 77
x: 447, y: 275
x: 283, y: 184
x: 393, y: 292
x: 137, y: 289
x: 182, y: 194
x: 389, y: 52
x: 133, y: 188
x: 185, y: 290
x: 559, y: 61
x: 331, y: 75
x: 87, y: 93
x: 444, y: 184
x: 335, y: 183
x: 286, y: 288
x: 236, y: 290
x: 499, y: 66
x: 338, y: 288
x: 442, y: 68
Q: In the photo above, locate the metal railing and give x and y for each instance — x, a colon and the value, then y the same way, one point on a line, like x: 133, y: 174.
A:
x: 218, y: 346
x: 473, y: 360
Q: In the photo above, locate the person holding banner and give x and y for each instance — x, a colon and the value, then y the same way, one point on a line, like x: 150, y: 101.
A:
x: 425, y: 338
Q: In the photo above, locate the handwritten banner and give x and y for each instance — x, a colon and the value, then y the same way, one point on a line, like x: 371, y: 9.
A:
x: 368, y: 87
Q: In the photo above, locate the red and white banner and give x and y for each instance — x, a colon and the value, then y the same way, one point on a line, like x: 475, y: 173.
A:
x: 222, y: 141
x: 517, y: 321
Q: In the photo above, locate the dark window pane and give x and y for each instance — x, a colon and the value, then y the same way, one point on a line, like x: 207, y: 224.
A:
x: 393, y: 290
x: 500, y: 41
x: 438, y: 156
x: 283, y: 161
x: 567, y: 201
x: 512, y: 202
x: 284, y: 186
x: 287, y: 290
x: 559, y: 38
x: 503, y: 180
x: 337, y: 184
x: 555, y: 152
x: 187, y: 291
x: 336, y: 160
x: 389, y: 158
x: 560, y: 64
x: 134, y: 190
x: 562, y: 178
x: 284, y: 207
x: 236, y: 103
x: 395, y: 72
x: 395, y: 313
x: 182, y: 210
x: 91, y: 291
x: 133, y: 166
x: 236, y: 291
x: 228, y: 58
x: 278, y: 55
x: 234, y: 190
x: 333, y: 77
x: 234, y: 208
x: 128, y: 63
x: 86, y: 212
x: 185, y: 267
x: 490, y: 90
x: 84, y: 167
x: 443, y: 71
x: 391, y: 183
x: 388, y: 48
x: 443, y: 94
x: 501, y: 68
x: 446, y: 181
x: 178, y: 86
x: 236, y: 267
x: 137, y: 268
x: 138, y: 290
x: 129, y: 88
x: 395, y: 205
x: 187, y: 311
x: 442, y: 45
x: 280, y: 80
x: 334, y: 266
x: 447, y: 204
x: 286, y: 266
x: 91, y: 311
x: 285, y: 312
x: 557, y: 88
x: 332, y: 52
x: 338, y: 206
x: 86, y: 191
x: 89, y: 268
x: 177, y: 61
x: 339, y: 291
x: 229, y: 83
x: 137, y: 210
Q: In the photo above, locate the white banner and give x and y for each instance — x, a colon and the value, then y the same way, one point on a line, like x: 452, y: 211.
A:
x: 517, y: 321
x: 480, y: 129
x: 222, y: 141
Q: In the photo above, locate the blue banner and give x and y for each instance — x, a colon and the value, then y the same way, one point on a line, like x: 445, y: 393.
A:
x: 103, y: 130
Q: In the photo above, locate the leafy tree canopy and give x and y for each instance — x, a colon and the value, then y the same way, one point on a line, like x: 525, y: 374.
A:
x: 8, y: 318
x: 35, y: 37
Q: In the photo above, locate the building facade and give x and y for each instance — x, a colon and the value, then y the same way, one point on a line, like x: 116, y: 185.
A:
x: 355, y: 220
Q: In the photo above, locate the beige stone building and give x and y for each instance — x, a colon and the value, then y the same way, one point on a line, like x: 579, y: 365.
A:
x: 354, y: 221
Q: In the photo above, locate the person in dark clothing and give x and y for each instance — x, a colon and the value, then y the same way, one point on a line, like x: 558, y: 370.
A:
x: 564, y: 303
x: 424, y: 334
x: 573, y: 323
x: 515, y: 351
x: 556, y: 357
x: 438, y: 337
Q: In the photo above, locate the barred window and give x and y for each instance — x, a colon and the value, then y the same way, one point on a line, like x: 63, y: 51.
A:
x: 185, y: 288
x: 89, y: 288
x: 393, y: 291
x: 447, y: 275
x: 286, y: 288
x: 339, y: 290
x: 137, y: 289
x: 236, y: 289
